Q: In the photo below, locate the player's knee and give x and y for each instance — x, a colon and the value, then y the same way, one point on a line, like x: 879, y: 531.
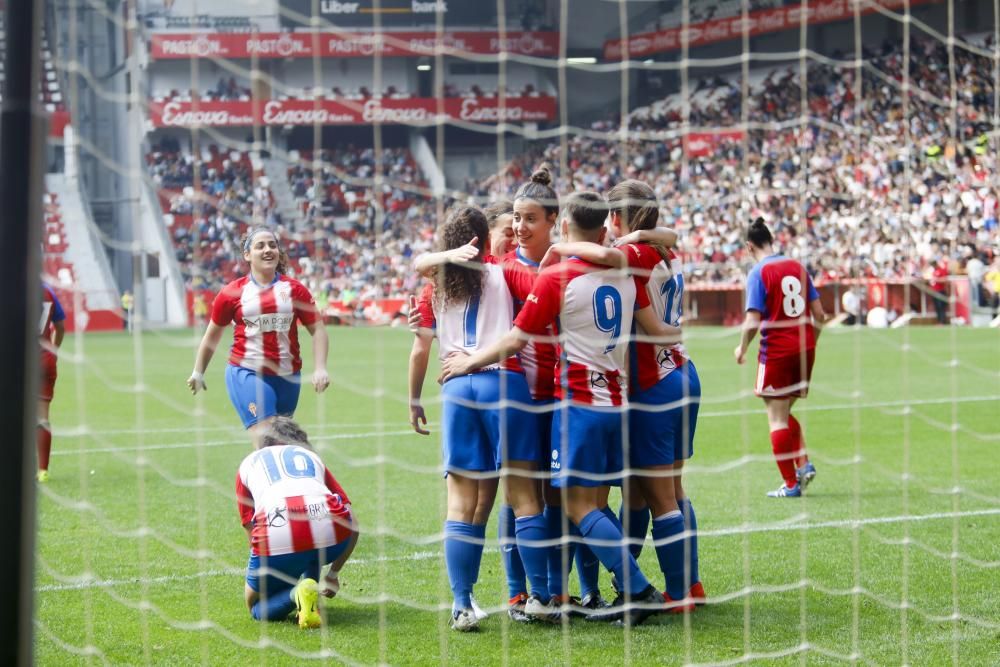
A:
x: 250, y: 596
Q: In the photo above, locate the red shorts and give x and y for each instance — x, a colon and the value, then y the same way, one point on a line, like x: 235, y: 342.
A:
x: 785, y: 377
x: 47, y: 387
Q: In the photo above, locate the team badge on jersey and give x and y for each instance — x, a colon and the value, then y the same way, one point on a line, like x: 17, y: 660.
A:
x: 252, y: 407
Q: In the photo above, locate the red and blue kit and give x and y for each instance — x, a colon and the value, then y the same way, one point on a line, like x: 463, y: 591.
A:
x: 481, y: 424
x: 665, y: 391
x: 664, y: 285
x: 780, y: 289
x: 265, y: 336
x: 590, y: 307
x: 539, y: 356
x: 293, y: 501
x: 52, y: 312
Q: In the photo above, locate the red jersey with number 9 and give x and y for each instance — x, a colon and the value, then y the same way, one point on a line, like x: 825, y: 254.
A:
x: 780, y: 290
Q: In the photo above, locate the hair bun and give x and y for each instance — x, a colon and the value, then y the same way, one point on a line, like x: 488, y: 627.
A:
x: 542, y: 176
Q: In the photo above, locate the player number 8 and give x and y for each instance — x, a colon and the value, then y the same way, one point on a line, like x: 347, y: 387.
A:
x: 793, y: 304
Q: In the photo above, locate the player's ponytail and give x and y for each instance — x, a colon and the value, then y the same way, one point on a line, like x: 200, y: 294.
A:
x: 758, y: 234
x: 455, y: 283
x: 539, y: 189
x: 638, y: 207
x: 636, y: 203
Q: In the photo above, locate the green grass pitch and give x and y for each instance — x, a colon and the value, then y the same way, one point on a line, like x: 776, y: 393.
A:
x: 893, y: 557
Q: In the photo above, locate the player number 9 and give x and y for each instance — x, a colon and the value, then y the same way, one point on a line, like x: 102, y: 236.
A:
x: 608, y: 314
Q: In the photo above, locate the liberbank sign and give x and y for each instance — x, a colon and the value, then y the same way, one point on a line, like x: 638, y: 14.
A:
x: 389, y: 13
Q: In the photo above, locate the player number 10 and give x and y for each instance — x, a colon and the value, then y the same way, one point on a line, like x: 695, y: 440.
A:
x: 292, y: 464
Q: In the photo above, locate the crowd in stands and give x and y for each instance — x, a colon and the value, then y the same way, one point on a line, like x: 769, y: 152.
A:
x: 859, y: 182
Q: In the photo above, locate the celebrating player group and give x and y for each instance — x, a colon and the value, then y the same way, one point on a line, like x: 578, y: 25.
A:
x: 563, y: 373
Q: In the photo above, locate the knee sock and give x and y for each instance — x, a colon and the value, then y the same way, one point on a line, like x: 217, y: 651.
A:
x: 43, y: 442
x: 783, y: 445
x: 801, y: 458
x: 638, y: 526
x: 531, y: 533
x: 561, y: 555
x: 463, y: 552
x: 510, y: 553
x: 604, y: 539
x: 691, y: 542
x: 667, y: 530
x: 588, y: 567
x: 275, y: 607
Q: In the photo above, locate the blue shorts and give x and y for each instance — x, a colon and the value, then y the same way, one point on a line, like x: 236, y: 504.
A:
x: 586, y: 446
x: 257, y: 396
x: 662, y: 419
x: 478, y: 433
x: 283, y: 572
x: 543, y: 419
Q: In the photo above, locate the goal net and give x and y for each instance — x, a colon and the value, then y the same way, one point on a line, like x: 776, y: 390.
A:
x: 864, y: 133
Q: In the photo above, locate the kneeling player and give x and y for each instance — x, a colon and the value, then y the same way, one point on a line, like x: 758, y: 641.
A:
x: 298, y: 519
x: 780, y: 300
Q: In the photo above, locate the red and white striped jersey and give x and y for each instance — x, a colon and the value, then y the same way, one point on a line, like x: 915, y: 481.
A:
x: 591, y: 307
x: 664, y: 285
x: 474, y: 324
x: 294, y: 502
x: 265, y: 336
x: 539, y: 357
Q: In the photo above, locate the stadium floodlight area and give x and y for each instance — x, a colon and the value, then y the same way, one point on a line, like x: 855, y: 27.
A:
x: 863, y: 132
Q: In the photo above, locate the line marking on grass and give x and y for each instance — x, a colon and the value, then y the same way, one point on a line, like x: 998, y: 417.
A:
x: 427, y: 555
x: 376, y: 434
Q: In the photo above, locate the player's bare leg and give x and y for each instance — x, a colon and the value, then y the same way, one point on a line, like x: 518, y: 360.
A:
x: 486, y: 498
x: 257, y: 430
x: 463, y: 498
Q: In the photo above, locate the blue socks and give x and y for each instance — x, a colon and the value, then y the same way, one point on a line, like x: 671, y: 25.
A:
x: 562, y: 553
x: 667, y: 530
x: 588, y: 567
x: 531, y: 533
x: 638, y: 525
x: 463, y: 553
x: 691, y: 524
x: 275, y: 607
x: 510, y: 553
x: 604, y: 538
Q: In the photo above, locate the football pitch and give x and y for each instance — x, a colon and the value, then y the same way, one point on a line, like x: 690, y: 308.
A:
x: 893, y: 557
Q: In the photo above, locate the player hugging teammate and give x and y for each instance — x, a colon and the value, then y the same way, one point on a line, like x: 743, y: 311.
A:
x: 590, y: 308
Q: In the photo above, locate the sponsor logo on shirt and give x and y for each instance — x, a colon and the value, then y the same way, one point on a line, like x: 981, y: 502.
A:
x: 597, y: 379
x: 532, y: 298
x: 317, y: 511
x: 270, y: 322
x: 276, y: 517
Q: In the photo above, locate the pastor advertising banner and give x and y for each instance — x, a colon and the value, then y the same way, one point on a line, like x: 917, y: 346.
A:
x: 413, y: 111
x: 165, y: 46
x: 757, y: 23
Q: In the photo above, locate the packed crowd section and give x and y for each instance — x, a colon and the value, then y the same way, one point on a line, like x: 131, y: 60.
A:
x: 856, y: 185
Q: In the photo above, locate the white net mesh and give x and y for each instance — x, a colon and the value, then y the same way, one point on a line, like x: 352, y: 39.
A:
x: 863, y: 133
